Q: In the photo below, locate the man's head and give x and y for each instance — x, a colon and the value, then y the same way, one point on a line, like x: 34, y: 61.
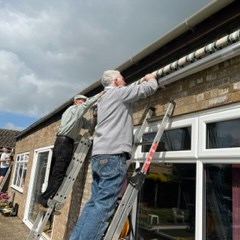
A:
x: 112, y: 78
x: 4, y: 149
x: 79, y: 99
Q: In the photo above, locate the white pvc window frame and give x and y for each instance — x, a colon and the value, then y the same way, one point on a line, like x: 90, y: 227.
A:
x: 31, y: 181
x: 18, y: 177
x: 198, y: 153
x: 168, y: 155
x: 220, y: 153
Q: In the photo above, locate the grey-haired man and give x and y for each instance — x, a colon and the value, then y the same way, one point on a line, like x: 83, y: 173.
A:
x: 71, y: 122
x: 112, y: 146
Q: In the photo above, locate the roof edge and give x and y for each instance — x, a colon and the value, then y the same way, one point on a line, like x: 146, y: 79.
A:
x: 181, y: 28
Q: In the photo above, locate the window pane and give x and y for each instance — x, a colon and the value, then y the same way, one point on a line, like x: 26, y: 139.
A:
x: 172, y: 140
x: 20, y: 170
x: 37, y: 184
x: 222, y: 201
x: 22, y: 173
x: 166, y: 203
x: 16, y: 180
x: 225, y: 134
x: 38, y: 188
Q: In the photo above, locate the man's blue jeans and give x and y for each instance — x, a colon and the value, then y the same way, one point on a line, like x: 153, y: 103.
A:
x: 109, y: 172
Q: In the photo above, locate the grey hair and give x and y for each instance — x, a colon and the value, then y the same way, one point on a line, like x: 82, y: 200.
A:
x: 108, y: 76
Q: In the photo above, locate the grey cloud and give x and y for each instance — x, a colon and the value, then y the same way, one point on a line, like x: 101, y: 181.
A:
x: 53, y: 49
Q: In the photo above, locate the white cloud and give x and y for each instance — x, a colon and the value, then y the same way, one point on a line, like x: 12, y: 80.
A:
x: 12, y: 126
x: 50, y: 50
x: 24, y: 91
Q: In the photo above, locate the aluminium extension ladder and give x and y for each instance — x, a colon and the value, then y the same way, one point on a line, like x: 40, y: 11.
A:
x: 136, y: 181
x: 58, y: 201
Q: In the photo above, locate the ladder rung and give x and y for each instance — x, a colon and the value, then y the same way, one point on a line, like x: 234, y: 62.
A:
x: 143, y: 143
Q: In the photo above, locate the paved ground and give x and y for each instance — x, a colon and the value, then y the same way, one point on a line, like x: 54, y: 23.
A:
x: 12, y: 228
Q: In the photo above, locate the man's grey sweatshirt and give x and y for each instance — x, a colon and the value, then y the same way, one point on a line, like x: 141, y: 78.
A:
x: 114, y: 130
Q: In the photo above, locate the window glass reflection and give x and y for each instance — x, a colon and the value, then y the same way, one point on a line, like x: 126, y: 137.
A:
x: 224, y: 134
x: 38, y: 181
x: 222, y: 201
x: 20, y: 170
x: 172, y: 140
x: 166, y: 203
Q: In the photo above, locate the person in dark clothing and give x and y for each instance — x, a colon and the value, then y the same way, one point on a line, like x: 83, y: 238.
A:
x: 71, y: 122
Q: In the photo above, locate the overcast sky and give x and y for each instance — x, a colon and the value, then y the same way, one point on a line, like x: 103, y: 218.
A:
x: 51, y: 50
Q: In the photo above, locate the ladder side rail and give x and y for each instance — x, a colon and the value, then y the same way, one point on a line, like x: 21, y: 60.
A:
x: 43, y: 223
x: 157, y: 138
x: 122, y: 213
x: 135, y: 184
x: 5, y: 177
x: 39, y: 229
x: 83, y: 143
x: 8, y: 171
x: 73, y: 170
x: 32, y: 235
x: 139, y: 134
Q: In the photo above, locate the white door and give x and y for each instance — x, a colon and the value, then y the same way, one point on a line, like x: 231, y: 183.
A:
x: 38, y: 183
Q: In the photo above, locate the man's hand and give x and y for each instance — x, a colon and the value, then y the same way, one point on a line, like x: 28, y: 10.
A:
x: 101, y: 93
x: 149, y: 76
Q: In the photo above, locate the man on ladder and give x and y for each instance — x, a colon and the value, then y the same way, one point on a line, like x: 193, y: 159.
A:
x: 136, y: 183
x: 71, y: 123
x: 65, y: 165
x: 111, y: 148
